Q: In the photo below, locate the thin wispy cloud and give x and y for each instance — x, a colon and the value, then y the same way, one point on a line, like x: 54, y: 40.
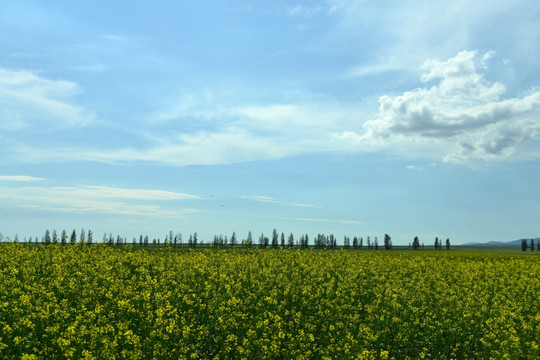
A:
x: 271, y: 200
x: 20, y: 178
x: 33, y: 100
x: 323, y: 220
x: 98, y: 200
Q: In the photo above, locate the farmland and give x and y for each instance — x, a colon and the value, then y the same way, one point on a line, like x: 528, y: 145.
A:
x: 103, y: 302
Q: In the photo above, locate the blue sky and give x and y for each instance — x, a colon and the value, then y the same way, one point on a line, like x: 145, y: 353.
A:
x: 354, y: 118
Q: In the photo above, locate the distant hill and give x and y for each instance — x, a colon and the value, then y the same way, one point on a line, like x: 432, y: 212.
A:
x: 501, y: 243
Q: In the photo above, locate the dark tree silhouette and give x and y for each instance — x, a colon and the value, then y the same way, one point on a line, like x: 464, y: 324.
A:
x: 290, y: 241
x: 249, y: 241
x: 415, y: 243
x: 387, y: 242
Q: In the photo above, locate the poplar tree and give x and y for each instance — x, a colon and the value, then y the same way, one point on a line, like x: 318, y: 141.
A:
x: 415, y: 243
x: 73, y: 238
x: 249, y: 241
x: 291, y: 240
x: 47, y: 238
x: 387, y: 242
x: 274, y: 239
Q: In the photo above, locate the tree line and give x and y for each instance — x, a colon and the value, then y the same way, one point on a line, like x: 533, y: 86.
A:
x: 275, y: 241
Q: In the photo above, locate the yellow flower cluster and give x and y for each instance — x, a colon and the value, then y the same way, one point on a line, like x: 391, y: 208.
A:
x: 99, y: 302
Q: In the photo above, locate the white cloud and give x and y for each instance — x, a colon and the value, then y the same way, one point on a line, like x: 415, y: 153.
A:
x: 26, y: 98
x: 269, y: 199
x: 19, y: 178
x: 92, y: 68
x: 324, y: 220
x: 303, y: 11
x: 462, y: 118
x: 96, y: 199
x: 412, y: 167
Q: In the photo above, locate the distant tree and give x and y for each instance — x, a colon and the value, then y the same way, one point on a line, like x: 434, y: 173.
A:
x: 73, y: 237
x: 355, y: 243
x: 290, y: 241
x: 538, y: 245
x: 233, y: 239
x: 415, y: 243
x: 369, y: 243
x: 118, y: 240
x: 306, y: 241
x: 376, y: 242
x: 361, y: 243
x: 524, y: 245
x: 387, y: 242
x: 261, y: 241
x: 47, y: 238
x: 436, y: 245
x: 282, y: 240
x: 54, y: 237
x: 16, y: 239
x: 332, y: 242
x: 249, y: 241
x: 90, y: 237
x: 532, y: 244
x: 63, y: 237
x: 82, y: 237
x: 346, y: 242
x: 447, y: 244
x: 145, y: 242
x: 275, y: 238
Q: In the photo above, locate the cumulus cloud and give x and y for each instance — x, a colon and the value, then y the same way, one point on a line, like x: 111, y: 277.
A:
x: 27, y: 98
x: 462, y: 117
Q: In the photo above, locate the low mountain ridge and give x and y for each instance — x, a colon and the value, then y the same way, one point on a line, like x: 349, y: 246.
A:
x: 502, y: 243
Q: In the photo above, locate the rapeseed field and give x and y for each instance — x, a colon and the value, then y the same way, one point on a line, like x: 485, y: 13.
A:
x: 103, y: 302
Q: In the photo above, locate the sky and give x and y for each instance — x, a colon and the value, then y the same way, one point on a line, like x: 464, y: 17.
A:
x: 352, y: 118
